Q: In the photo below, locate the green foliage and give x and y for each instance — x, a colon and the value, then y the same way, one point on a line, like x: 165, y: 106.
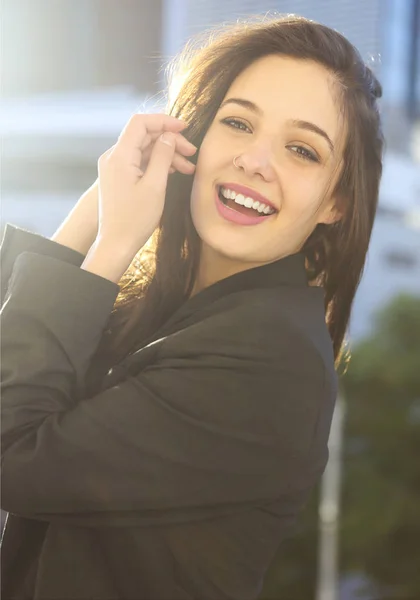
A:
x: 380, y: 528
x: 379, y: 534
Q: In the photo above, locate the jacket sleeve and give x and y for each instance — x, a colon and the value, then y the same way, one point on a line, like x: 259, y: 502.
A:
x: 17, y: 240
x: 222, y: 417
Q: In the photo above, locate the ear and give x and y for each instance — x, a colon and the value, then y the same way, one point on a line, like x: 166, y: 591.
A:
x: 330, y: 215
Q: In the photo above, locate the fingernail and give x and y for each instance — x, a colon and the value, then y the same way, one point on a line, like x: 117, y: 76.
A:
x: 167, y: 138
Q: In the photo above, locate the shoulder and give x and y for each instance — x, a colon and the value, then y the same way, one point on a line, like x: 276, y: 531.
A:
x: 256, y: 355
x: 278, y: 326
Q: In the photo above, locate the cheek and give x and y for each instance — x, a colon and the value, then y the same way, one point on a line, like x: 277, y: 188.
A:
x: 210, y: 163
x: 304, y: 193
x: 202, y: 183
x: 208, y: 149
x: 203, y: 164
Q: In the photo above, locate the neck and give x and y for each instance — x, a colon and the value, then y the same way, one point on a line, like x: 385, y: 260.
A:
x: 215, y: 266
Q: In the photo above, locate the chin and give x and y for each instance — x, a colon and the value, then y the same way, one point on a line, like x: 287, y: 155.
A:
x: 225, y: 239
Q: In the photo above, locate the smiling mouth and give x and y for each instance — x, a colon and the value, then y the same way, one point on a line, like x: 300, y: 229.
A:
x: 240, y: 208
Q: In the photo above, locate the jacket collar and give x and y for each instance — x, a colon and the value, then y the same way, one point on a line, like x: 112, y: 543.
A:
x: 289, y: 270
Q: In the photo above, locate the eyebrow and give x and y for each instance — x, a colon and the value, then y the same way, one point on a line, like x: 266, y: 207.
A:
x: 298, y: 123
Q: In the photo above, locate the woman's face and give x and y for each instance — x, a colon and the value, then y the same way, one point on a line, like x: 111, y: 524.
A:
x: 278, y: 159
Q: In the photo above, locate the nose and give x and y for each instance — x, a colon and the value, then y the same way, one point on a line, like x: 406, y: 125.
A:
x: 257, y: 160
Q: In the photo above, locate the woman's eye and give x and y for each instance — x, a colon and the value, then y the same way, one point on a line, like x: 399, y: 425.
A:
x: 235, y: 124
x: 301, y: 151
x: 305, y: 154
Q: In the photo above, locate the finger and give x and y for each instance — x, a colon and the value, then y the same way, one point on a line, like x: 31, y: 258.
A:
x: 141, y: 124
x: 128, y: 149
x: 148, y: 139
x: 156, y: 176
x: 180, y: 163
x: 105, y: 155
x: 160, y: 121
x: 137, y: 135
x: 182, y: 145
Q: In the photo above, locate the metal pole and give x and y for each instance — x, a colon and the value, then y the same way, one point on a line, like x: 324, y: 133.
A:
x: 329, y: 511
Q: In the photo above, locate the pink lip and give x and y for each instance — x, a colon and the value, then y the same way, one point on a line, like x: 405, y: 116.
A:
x: 246, y: 191
x: 235, y: 217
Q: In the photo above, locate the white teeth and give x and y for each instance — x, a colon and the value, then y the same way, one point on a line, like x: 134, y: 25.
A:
x: 247, y: 201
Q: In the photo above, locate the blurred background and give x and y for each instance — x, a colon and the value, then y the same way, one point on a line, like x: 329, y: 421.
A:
x: 73, y: 72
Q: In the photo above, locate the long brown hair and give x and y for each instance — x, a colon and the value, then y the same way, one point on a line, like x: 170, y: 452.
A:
x: 161, y: 276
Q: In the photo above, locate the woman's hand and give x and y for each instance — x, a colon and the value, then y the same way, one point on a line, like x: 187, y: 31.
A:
x: 79, y: 230
x: 133, y: 177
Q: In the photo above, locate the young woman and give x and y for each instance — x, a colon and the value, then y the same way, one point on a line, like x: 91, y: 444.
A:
x: 169, y: 357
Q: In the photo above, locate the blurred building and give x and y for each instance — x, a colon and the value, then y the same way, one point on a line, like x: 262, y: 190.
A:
x: 75, y: 70
x: 67, y: 45
x: 359, y: 20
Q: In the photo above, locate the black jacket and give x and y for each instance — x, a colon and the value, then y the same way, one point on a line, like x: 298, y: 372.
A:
x: 180, y: 478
